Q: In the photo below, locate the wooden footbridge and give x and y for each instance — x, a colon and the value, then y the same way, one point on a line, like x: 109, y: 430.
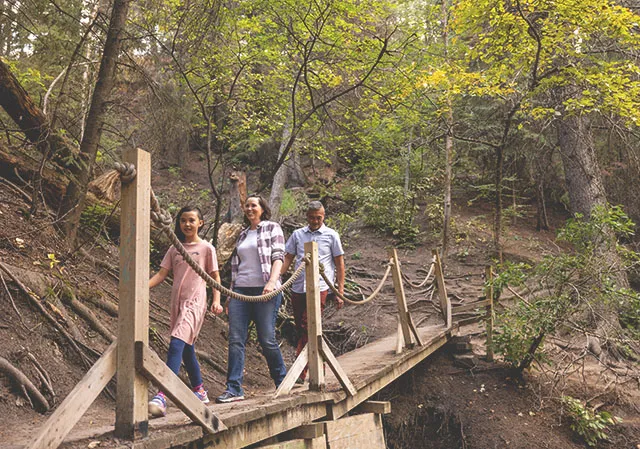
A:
x: 333, y: 411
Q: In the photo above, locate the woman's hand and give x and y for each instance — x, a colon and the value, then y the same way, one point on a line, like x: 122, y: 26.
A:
x: 216, y: 308
x: 269, y: 287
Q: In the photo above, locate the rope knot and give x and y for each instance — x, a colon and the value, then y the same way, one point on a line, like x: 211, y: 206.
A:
x: 127, y: 171
x: 162, y: 218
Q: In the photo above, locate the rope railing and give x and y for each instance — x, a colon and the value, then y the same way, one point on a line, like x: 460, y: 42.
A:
x: 164, y: 221
x: 351, y: 301
x: 426, y: 279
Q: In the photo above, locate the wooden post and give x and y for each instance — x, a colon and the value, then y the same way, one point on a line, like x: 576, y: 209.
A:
x: 403, y: 311
x: 314, y: 319
x: 133, y: 315
x: 489, y: 311
x: 317, y: 350
x: 445, y: 303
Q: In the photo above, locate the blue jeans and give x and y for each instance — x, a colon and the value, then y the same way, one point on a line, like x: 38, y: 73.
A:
x: 180, y: 351
x: 264, y: 315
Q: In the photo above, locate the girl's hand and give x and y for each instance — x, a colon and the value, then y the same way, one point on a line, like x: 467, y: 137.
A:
x: 216, y: 309
x: 269, y: 287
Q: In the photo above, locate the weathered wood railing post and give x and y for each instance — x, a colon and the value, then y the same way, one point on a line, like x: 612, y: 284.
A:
x: 445, y: 303
x: 489, y: 313
x: 130, y: 355
x: 405, y: 322
x: 314, y: 318
x: 401, y: 300
x: 133, y: 311
x: 316, y: 351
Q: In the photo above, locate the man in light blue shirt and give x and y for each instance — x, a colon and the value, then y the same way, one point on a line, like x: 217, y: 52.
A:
x: 330, y: 254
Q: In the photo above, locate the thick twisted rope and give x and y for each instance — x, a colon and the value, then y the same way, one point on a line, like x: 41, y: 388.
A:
x: 164, y: 221
x: 426, y: 279
x: 351, y: 301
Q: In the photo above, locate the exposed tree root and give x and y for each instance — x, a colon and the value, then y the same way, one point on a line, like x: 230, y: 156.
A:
x: 70, y: 299
x: 209, y: 359
x: 13, y: 304
x: 44, y: 376
x: 35, y: 301
x: 107, y: 306
x: 112, y: 269
x: 23, y: 381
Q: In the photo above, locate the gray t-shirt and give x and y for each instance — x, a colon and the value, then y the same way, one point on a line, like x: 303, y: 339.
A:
x: 329, y: 246
x: 249, y: 271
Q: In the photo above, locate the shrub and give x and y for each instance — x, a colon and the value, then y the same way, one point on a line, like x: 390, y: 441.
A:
x: 592, y: 426
x: 387, y: 209
x: 94, y: 216
x: 340, y: 222
x: 574, y: 284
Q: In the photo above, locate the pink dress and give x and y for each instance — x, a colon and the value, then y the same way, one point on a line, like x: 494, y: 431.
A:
x: 189, y: 292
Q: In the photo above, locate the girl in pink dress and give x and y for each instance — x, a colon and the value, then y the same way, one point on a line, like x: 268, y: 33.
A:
x: 188, y: 301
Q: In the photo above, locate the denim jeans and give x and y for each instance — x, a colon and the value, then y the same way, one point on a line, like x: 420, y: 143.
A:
x: 180, y: 351
x: 264, y: 315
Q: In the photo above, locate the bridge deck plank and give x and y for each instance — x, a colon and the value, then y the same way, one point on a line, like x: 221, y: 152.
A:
x: 370, y: 368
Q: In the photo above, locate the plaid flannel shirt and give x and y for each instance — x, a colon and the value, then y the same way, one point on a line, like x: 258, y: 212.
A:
x: 270, y: 248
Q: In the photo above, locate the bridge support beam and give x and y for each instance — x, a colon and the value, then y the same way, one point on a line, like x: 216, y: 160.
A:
x: 317, y: 351
x: 445, y: 303
x: 129, y: 359
x: 133, y: 306
x: 405, y: 322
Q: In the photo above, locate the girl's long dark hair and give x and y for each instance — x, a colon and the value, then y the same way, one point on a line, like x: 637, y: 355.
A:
x: 177, y: 229
x: 266, y: 210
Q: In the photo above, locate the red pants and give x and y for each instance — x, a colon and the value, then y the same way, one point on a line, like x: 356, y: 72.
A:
x: 299, y: 303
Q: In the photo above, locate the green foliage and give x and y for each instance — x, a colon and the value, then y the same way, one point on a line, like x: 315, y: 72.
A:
x: 340, y: 222
x: 190, y: 193
x: 289, y: 204
x: 387, y: 209
x: 592, y: 426
x: 576, y: 283
x: 175, y: 171
x: 53, y: 261
x: 93, y: 217
x: 293, y: 202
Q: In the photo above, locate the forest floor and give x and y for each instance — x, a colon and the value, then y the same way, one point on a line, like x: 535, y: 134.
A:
x: 437, y: 405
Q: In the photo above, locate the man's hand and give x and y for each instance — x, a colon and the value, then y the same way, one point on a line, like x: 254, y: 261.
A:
x: 339, y: 303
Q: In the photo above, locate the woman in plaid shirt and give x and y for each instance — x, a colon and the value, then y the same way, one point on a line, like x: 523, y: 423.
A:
x: 255, y: 270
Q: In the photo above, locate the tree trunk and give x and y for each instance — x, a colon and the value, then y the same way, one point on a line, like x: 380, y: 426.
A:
x: 542, y: 217
x: 73, y: 201
x: 30, y: 118
x: 497, y: 225
x: 448, y: 141
x: 448, y: 179
x: 280, y: 178
x: 85, y: 91
x: 237, y: 195
x: 21, y: 108
x: 586, y: 191
x: 581, y: 171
